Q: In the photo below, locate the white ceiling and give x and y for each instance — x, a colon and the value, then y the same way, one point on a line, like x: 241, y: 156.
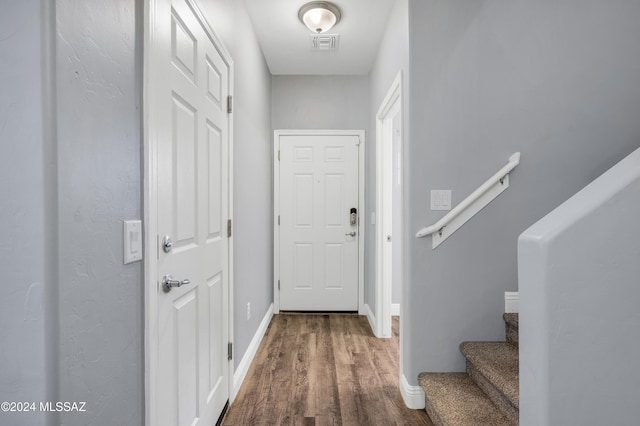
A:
x: 285, y: 40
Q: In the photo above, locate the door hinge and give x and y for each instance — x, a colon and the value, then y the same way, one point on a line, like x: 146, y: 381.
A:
x: 230, y: 351
x: 278, y: 284
x: 278, y: 220
x: 229, y: 228
x: 229, y: 104
x: 278, y: 155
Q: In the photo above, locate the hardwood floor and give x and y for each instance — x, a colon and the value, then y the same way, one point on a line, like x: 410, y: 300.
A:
x: 323, y: 370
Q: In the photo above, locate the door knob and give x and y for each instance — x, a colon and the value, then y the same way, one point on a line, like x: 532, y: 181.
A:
x: 168, y: 283
x: 351, y: 234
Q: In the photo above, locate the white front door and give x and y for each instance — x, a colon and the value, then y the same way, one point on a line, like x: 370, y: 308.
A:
x: 318, y: 236
x: 190, y: 84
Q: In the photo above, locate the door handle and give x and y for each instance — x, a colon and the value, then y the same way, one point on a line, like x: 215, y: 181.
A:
x: 351, y: 234
x: 168, y: 283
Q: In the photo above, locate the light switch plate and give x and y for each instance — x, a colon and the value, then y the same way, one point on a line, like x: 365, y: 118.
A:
x: 440, y: 199
x: 132, y: 241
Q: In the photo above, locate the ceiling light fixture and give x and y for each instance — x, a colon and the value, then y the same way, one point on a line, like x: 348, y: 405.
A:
x: 319, y: 16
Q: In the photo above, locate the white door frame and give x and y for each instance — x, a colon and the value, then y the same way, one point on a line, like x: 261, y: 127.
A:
x: 150, y: 204
x: 276, y: 204
x: 390, y: 106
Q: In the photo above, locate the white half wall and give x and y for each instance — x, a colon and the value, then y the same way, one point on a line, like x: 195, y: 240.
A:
x: 578, y: 271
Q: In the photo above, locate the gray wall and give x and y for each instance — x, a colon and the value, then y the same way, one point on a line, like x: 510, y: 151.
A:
x: 579, y: 324
x: 23, y: 248
x: 71, y: 105
x: 253, y: 202
x: 99, y: 143
x: 558, y: 81
x: 392, y: 58
x: 321, y: 102
x: 74, y: 313
x: 326, y: 102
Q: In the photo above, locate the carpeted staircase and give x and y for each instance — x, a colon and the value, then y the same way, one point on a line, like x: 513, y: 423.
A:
x: 487, y: 394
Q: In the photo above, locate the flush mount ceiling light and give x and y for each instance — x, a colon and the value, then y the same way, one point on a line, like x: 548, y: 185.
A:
x: 319, y: 16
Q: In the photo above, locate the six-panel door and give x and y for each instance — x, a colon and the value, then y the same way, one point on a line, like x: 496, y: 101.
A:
x: 318, y: 241
x: 192, y: 166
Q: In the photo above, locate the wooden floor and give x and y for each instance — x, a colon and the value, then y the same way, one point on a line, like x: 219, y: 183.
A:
x: 323, y: 370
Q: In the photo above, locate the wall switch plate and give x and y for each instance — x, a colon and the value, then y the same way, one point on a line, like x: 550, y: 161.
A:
x: 440, y: 199
x: 132, y: 241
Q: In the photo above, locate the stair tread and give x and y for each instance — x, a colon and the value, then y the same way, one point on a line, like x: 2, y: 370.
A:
x: 455, y: 399
x: 498, y: 362
x: 511, y: 319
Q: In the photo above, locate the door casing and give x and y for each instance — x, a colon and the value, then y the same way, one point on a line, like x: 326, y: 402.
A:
x: 276, y: 206
x: 389, y: 108
x: 150, y: 205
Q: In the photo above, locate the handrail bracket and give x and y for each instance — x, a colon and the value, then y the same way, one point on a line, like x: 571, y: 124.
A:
x: 471, y: 205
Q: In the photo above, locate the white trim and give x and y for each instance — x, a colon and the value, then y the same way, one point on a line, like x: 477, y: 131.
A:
x: 371, y: 317
x: 150, y: 222
x: 361, y: 201
x: 150, y: 199
x: 395, y: 309
x: 511, y: 302
x: 413, y: 396
x: 276, y: 225
x: 390, y: 106
x: 244, y: 364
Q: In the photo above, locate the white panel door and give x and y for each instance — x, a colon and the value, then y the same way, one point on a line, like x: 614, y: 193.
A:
x: 192, y: 173
x: 318, y: 241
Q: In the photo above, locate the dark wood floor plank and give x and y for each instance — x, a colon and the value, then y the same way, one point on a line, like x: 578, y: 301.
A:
x: 323, y: 370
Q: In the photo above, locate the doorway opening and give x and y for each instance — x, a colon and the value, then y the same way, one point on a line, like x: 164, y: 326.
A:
x: 389, y: 201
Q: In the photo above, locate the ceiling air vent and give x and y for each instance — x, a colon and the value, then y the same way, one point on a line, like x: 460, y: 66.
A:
x: 324, y: 41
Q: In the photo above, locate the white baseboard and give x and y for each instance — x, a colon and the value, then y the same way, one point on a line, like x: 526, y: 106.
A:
x: 245, y: 363
x: 395, y: 309
x: 511, y: 302
x: 413, y: 396
x: 372, y: 319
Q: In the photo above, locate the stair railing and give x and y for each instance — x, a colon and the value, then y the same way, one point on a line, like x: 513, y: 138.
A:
x: 476, y: 201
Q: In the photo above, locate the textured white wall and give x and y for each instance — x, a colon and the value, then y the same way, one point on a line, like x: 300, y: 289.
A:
x: 579, y: 324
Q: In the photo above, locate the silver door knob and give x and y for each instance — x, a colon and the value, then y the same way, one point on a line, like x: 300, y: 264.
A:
x: 351, y: 234
x: 168, y: 283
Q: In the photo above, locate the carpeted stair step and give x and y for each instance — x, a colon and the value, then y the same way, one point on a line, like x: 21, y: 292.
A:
x: 453, y: 399
x: 494, y: 367
x: 511, y: 328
